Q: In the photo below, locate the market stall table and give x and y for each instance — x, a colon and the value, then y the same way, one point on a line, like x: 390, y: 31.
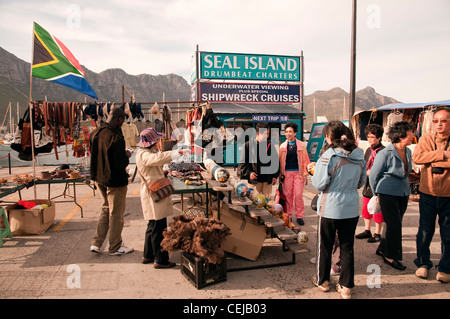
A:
x: 9, y: 189
x: 77, y: 181
x: 181, y: 188
x: 245, y: 206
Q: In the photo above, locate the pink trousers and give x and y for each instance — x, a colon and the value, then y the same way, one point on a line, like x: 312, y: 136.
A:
x: 293, y: 189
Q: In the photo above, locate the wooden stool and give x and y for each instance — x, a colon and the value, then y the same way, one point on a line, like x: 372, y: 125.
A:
x: 6, y: 231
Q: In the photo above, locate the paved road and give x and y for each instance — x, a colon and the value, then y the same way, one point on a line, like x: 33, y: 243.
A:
x: 58, y: 264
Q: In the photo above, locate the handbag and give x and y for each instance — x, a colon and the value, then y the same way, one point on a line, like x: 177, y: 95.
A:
x: 314, y: 202
x: 17, y: 143
x: 160, y: 189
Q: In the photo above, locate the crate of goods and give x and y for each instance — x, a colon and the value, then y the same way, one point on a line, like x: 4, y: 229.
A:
x: 33, y: 221
x: 200, y: 272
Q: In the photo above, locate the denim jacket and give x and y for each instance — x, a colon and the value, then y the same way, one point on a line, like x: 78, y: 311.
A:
x: 387, y: 175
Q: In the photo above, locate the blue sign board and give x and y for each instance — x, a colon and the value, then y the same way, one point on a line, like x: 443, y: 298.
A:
x: 249, y: 92
x: 238, y: 66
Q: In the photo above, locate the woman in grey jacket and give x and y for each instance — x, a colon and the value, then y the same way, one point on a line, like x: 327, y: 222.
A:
x: 389, y: 181
x: 339, y: 172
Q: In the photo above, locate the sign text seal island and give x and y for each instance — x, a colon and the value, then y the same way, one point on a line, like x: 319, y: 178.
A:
x: 239, y: 66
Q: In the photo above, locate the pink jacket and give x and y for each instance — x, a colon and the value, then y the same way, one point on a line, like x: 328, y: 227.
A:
x: 302, y: 155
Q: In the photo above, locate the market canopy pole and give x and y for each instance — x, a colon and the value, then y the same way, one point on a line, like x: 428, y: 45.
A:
x: 30, y: 105
x: 51, y: 60
x: 353, y: 64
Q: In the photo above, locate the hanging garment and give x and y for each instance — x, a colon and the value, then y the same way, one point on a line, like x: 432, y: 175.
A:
x: 130, y: 132
x: 427, y: 125
x: 155, y: 110
x: 392, y: 118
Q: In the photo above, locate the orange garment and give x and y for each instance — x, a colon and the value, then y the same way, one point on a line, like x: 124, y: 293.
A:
x: 429, y: 153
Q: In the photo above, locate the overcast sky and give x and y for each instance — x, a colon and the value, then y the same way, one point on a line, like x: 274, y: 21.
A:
x: 403, y: 46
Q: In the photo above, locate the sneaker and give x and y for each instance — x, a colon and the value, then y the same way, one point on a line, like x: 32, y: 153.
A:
x: 300, y: 221
x: 122, y: 251
x: 344, y: 291
x: 443, y: 277
x: 334, y: 272
x: 95, y: 249
x: 324, y: 287
x: 422, y: 272
x: 374, y: 239
x: 364, y: 234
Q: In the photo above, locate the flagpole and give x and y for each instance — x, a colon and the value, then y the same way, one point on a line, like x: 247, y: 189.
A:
x: 30, y: 104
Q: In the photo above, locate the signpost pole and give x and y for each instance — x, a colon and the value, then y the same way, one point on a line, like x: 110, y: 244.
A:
x: 353, y: 64
x: 302, y: 75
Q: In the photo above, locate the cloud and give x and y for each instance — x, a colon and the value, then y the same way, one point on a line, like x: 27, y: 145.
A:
x: 402, y: 45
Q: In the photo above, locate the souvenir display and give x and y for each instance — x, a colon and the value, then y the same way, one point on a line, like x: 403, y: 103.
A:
x: 260, y: 201
x: 252, y: 193
x: 285, y: 218
x: 199, y: 236
x: 194, y: 212
x: 220, y: 174
x: 302, y: 237
x: 269, y: 206
x: 241, y: 190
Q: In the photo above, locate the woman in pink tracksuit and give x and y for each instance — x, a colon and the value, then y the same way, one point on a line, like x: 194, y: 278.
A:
x: 293, y: 173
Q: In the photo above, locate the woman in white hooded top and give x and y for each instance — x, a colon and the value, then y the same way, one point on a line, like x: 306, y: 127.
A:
x: 339, y: 172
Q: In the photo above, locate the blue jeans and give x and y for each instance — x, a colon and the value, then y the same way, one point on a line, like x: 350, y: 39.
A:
x: 430, y: 207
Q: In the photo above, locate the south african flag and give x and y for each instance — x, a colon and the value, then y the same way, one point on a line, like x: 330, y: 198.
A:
x: 53, y: 62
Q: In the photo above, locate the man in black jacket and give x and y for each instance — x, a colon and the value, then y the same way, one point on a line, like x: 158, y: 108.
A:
x: 259, y: 162
x: 109, y: 159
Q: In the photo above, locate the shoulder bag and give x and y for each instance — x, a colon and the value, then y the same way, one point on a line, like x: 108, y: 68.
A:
x: 160, y: 189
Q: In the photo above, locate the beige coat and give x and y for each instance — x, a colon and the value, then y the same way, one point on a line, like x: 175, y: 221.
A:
x: 150, y: 166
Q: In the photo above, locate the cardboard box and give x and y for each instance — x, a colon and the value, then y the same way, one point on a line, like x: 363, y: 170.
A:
x: 201, y: 273
x: 31, y: 221
x: 247, y: 235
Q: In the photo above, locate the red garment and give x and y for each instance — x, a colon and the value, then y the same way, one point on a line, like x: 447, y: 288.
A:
x: 377, y: 218
x: 26, y: 204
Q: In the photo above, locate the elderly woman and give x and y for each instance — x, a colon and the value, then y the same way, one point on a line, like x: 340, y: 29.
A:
x: 149, y: 162
x: 389, y: 180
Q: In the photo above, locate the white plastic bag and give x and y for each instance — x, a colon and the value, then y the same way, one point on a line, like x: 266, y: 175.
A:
x: 374, y: 206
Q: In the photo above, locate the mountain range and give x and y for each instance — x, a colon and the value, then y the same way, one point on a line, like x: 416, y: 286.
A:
x: 15, y: 83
